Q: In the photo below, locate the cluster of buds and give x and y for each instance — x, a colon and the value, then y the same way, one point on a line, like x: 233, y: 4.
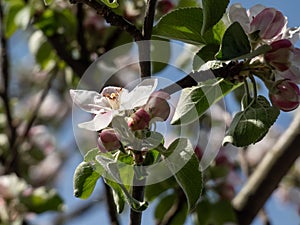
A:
x: 156, y: 108
x: 269, y: 26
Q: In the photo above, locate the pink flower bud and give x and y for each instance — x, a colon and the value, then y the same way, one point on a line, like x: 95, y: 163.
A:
x: 279, y: 56
x: 139, y: 120
x: 285, y: 95
x: 164, y: 6
x: 158, y: 106
x: 269, y: 22
x: 108, y: 140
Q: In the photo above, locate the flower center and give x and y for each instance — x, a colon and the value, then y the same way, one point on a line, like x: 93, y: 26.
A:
x: 113, y: 98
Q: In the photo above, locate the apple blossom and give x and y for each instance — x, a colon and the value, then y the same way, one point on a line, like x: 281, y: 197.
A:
x: 111, y: 101
x: 285, y: 95
x: 268, y: 22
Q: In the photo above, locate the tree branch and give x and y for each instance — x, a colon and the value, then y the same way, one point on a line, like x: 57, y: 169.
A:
x: 84, y: 53
x: 4, y: 94
x: 78, y: 66
x: 144, y: 47
x: 138, y: 194
x: 112, y: 18
x: 265, y: 179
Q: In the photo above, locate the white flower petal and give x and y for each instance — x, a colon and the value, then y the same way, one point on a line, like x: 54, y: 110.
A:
x: 239, y: 14
x: 89, y: 101
x: 139, y: 95
x: 292, y: 34
x: 100, y: 121
x: 254, y: 10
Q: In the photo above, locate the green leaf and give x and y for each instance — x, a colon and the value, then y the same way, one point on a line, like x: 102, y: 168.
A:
x: 91, y: 155
x: 13, y: 7
x: 164, y: 205
x: 185, y: 24
x: 48, y: 2
x: 259, y: 51
x: 213, y: 11
x: 84, y: 181
x: 205, y: 54
x: 112, y: 172
x: 194, y: 101
x: 154, y: 190
x: 217, y: 213
x: 118, y: 195
x: 187, y: 3
x: 111, y: 3
x: 252, y: 124
x: 42, y: 200
x: 235, y: 43
x: 189, y: 177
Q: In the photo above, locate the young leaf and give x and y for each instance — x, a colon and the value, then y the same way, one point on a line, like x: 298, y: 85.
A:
x: 154, y: 190
x: 189, y: 177
x: 112, y: 4
x: 194, y: 101
x: 252, y: 124
x: 235, y: 43
x: 91, y: 154
x: 213, y: 11
x: 42, y: 200
x: 185, y: 24
x: 84, y: 181
x: 118, y: 195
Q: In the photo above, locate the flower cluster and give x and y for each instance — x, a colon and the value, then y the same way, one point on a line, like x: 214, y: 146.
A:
x: 138, y: 107
x: 269, y: 26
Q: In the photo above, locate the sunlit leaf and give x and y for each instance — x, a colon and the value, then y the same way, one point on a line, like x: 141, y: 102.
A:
x: 84, y: 181
x: 252, y: 124
x: 194, y: 101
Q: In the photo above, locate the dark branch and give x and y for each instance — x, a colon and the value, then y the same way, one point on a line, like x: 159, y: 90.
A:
x: 112, y: 18
x: 78, y: 66
x: 5, y: 79
x: 84, y: 53
x: 265, y: 179
x: 144, y: 47
x: 137, y: 193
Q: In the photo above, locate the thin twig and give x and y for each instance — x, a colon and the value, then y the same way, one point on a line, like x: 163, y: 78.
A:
x: 6, y: 78
x: 12, y: 162
x: 268, y: 174
x: 40, y: 101
x: 78, y: 211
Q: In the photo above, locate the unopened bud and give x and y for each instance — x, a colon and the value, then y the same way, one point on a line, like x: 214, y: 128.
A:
x: 285, y: 95
x: 139, y: 120
x: 108, y: 140
x: 158, y: 106
x: 279, y: 56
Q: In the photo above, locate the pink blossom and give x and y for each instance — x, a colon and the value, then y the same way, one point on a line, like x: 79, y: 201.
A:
x: 268, y: 22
